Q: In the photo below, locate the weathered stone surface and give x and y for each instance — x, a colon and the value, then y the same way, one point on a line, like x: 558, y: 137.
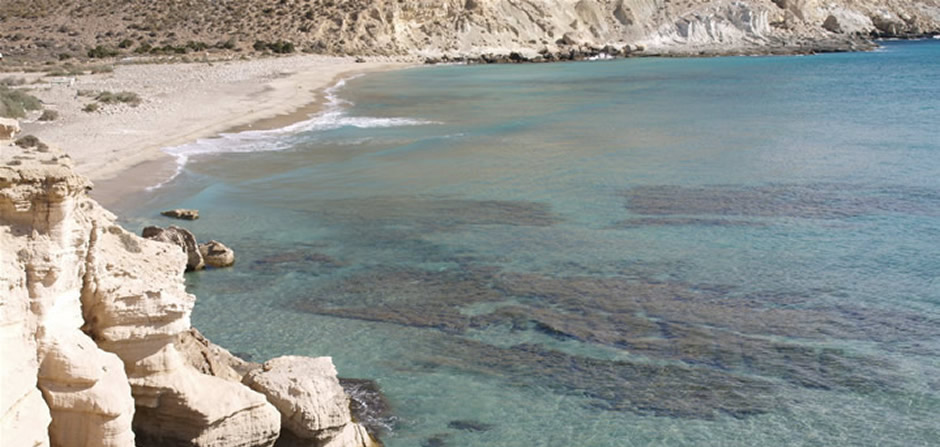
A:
x: 312, y: 403
x: 91, y: 317
x: 832, y: 24
x: 180, y: 213
x: 217, y: 254
x: 8, y: 128
x: 180, y: 237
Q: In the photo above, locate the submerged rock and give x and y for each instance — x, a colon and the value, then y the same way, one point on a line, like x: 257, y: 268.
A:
x: 180, y: 213
x: 180, y: 237
x: 216, y: 254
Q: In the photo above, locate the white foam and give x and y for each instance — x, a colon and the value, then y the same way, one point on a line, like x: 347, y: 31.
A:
x: 332, y: 117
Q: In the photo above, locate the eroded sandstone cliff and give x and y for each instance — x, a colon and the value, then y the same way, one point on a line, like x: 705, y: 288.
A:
x: 96, y: 337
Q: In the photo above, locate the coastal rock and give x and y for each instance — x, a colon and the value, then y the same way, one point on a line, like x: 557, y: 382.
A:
x: 91, y: 319
x: 180, y: 213
x: 209, y: 358
x: 313, y: 404
x: 216, y: 254
x: 8, y: 128
x: 182, y: 238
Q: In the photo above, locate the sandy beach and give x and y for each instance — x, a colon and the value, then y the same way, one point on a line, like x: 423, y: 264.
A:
x: 119, y: 146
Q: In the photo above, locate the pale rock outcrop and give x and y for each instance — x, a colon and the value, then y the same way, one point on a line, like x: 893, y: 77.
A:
x: 8, y: 128
x: 313, y: 405
x: 90, y: 316
x: 84, y: 389
x: 97, y: 346
x: 182, y: 238
x: 217, y: 254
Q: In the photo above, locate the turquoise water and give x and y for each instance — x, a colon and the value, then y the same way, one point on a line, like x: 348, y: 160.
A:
x: 678, y: 252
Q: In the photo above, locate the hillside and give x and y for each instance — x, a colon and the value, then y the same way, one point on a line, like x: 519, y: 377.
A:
x: 65, y: 29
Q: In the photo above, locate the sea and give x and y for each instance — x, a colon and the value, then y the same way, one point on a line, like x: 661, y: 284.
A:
x: 730, y: 251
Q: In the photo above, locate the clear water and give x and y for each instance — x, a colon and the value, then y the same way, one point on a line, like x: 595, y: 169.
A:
x: 678, y: 252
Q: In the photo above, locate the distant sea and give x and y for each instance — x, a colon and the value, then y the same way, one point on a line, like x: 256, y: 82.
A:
x: 736, y: 251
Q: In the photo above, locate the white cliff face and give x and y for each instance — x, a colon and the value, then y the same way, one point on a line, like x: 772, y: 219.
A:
x: 475, y: 27
x: 97, y: 346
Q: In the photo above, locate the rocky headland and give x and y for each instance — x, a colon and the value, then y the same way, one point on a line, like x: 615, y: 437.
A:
x: 97, y: 345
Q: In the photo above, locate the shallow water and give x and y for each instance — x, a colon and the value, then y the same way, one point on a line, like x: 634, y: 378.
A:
x: 681, y: 252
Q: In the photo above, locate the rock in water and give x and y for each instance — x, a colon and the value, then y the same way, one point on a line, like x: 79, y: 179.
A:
x: 216, y: 254
x: 8, y: 128
x: 180, y: 237
x: 313, y: 405
x: 181, y: 213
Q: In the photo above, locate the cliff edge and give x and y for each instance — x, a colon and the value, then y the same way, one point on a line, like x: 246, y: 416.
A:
x: 97, y: 345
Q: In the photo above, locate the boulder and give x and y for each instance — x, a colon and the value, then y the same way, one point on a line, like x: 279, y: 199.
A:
x: 180, y: 213
x: 832, y: 25
x: 216, y: 254
x: 313, y: 405
x: 8, y: 128
x: 180, y: 237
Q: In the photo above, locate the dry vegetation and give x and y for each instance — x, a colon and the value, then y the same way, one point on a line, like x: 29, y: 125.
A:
x: 51, y: 30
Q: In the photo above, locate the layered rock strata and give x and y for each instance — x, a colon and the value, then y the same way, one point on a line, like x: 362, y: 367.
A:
x: 94, y: 324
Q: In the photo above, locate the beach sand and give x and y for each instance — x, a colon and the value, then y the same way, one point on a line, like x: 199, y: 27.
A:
x: 119, y: 146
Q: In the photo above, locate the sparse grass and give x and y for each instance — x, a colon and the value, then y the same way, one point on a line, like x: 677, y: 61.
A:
x: 15, y: 103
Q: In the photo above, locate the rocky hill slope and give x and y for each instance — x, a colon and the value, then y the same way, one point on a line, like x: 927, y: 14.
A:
x: 434, y: 28
x: 96, y: 343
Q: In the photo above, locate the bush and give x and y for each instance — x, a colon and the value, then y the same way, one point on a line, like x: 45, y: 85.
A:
x: 91, y: 107
x: 121, y: 97
x: 102, y: 51
x: 279, y: 47
x: 126, y: 43
x: 12, y: 81
x: 49, y: 115
x: 15, y: 103
x: 226, y: 45
x: 144, y: 48
x: 31, y: 141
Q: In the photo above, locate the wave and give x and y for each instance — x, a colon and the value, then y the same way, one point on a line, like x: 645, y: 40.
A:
x: 333, y: 116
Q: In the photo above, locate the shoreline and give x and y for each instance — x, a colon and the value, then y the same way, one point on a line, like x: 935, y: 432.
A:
x: 121, y: 149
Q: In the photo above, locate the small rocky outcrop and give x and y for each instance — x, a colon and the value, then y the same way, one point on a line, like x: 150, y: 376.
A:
x: 313, y: 405
x: 180, y: 213
x: 182, y: 238
x: 216, y: 254
x: 8, y: 129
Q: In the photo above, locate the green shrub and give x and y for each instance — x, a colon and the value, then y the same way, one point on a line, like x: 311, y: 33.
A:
x: 279, y: 47
x: 29, y: 141
x: 126, y: 43
x: 91, y: 107
x: 15, y: 103
x: 101, y: 51
x: 130, y: 98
